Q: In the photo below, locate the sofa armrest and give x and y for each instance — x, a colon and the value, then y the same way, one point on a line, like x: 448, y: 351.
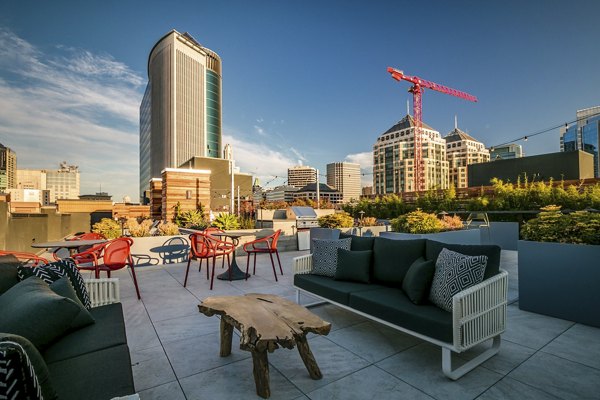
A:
x: 103, y: 291
x: 302, y: 264
x: 479, y: 312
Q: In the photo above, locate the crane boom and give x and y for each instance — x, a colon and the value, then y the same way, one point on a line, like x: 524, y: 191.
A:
x: 417, y: 90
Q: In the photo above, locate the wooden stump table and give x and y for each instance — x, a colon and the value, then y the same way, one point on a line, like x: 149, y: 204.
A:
x: 265, y: 322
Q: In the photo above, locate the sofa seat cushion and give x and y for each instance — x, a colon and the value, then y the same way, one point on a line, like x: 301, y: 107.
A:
x: 99, y: 375
x: 393, y: 258
x: 329, y: 288
x: 392, y: 305
x: 108, y: 331
x: 492, y: 252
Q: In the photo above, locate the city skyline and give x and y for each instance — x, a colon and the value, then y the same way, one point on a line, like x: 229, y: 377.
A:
x: 301, y: 83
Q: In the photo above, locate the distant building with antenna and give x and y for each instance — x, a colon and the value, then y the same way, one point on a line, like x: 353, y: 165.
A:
x: 463, y: 150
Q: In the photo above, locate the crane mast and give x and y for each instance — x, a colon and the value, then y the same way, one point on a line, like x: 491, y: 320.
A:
x: 416, y: 89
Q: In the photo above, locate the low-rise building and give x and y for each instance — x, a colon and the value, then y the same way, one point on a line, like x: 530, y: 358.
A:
x: 326, y: 192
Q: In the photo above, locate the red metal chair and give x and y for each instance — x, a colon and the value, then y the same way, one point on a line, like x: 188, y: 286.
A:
x: 267, y: 244
x: 61, y: 252
x: 218, y: 248
x: 116, y: 255
x: 199, y: 250
x: 25, y: 258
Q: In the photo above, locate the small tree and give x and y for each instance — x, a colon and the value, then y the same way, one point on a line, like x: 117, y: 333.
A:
x: 107, y: 227
x: 226, y: 221
x: 337, y: 220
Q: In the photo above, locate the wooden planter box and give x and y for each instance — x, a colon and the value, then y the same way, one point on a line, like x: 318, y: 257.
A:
x: 465, y: 236
x: 560, y: 280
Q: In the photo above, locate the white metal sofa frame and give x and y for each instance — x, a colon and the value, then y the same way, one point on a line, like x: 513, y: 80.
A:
x: 478, y: 314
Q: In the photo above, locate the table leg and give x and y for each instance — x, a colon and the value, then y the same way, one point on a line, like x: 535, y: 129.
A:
x: 226, y: 338
x: 308, y: 358
x: 261, y: 373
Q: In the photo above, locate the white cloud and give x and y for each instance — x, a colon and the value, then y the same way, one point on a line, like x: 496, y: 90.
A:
x: 259, y: 159
x: 301, y: 158
x: 260, y: 130
x: 76, y: 106
x: 365, y: 160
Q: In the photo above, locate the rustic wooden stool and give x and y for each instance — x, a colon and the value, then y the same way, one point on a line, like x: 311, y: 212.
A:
x: 265, y: 322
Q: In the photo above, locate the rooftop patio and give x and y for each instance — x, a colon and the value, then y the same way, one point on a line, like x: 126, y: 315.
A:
x: 175, y: 349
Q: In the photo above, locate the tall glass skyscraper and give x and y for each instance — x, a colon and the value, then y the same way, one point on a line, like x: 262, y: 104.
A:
x: 584, y: 135
x: 180, y: 114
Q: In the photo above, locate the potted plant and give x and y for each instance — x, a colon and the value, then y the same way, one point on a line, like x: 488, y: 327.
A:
x: 558, y: 265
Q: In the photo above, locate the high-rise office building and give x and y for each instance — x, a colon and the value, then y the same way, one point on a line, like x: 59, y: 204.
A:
x: 463, y: 150
x: 301, y: 176
x: 345, y: 177
x: 394, y: 157
x: 180, y: 113
x: 8, y: 168
x: 63, y: 183
x: 584, y: 135
x: 506, y: 152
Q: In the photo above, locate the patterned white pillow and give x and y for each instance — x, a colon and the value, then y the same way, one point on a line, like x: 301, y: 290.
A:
x: 325, y: 255
x: 454, y: 272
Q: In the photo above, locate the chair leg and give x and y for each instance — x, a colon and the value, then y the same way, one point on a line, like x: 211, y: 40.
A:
x: 212, y: 277
x: 279, y: 261
x: 273, y: 265
x: 187, y: 270
x: 207, y: 268
x: 247, y: 264
x: 137, y: 290
x: 228, y: 261
x: 254, y: 272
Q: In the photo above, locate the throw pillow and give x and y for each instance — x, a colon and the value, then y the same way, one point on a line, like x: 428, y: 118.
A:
x: 32, y: 310
x: 360, y: 243
x: 354, y: 265
x: 26, y: 374
x: 325, y: 255
x: 63, y: 287
x: 417, y: 281
x: 56, y: 270
x: 8, y: 272
x: 454, y: 272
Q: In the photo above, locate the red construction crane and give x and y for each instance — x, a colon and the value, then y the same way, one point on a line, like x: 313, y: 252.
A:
x: 417, y: 89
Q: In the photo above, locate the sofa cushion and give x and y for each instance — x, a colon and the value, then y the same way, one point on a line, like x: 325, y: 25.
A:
x: 360, y: 243
x: 48, y: 315
x: 417, y: 282
x: 21, y: 358
x: 99, y: 375
x: 325, y: 255
x: 329, y: 288
x: 393, y: 258
x: 8, y: 272
x: 354, y: 266
x: 392, y: 305
x: 57, y: 270
x: 454, y: 272
x: 108, y: 331
x: 63, y: 287
x: 433, y: 249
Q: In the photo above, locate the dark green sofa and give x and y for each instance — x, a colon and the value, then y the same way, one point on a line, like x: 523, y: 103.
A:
x: 479, y: 313
x: 92, y: 362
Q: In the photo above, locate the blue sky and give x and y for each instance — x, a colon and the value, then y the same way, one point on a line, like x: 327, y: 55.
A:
x: 302, y: 81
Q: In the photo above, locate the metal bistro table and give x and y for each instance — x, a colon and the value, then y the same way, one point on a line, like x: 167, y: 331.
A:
x: 236, y: 273
x: 72, y: 245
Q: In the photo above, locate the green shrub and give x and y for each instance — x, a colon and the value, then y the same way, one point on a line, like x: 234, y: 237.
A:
x: 553, y: 226
x: 192, y: 219
x: 110, y: 228
x: 246, y: 222
x: 368, y: 221
x: 140, y: 229
x: 417, y: 222
x: 452, y: 223
x: 168, y: 229
x: 226, y: 221
x: 336, y: 220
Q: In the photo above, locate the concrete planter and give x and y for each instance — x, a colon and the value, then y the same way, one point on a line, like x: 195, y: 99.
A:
x: 155, y: 250
x: 465, y: 236
x: 503, y: 234
x: 560, y: 280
